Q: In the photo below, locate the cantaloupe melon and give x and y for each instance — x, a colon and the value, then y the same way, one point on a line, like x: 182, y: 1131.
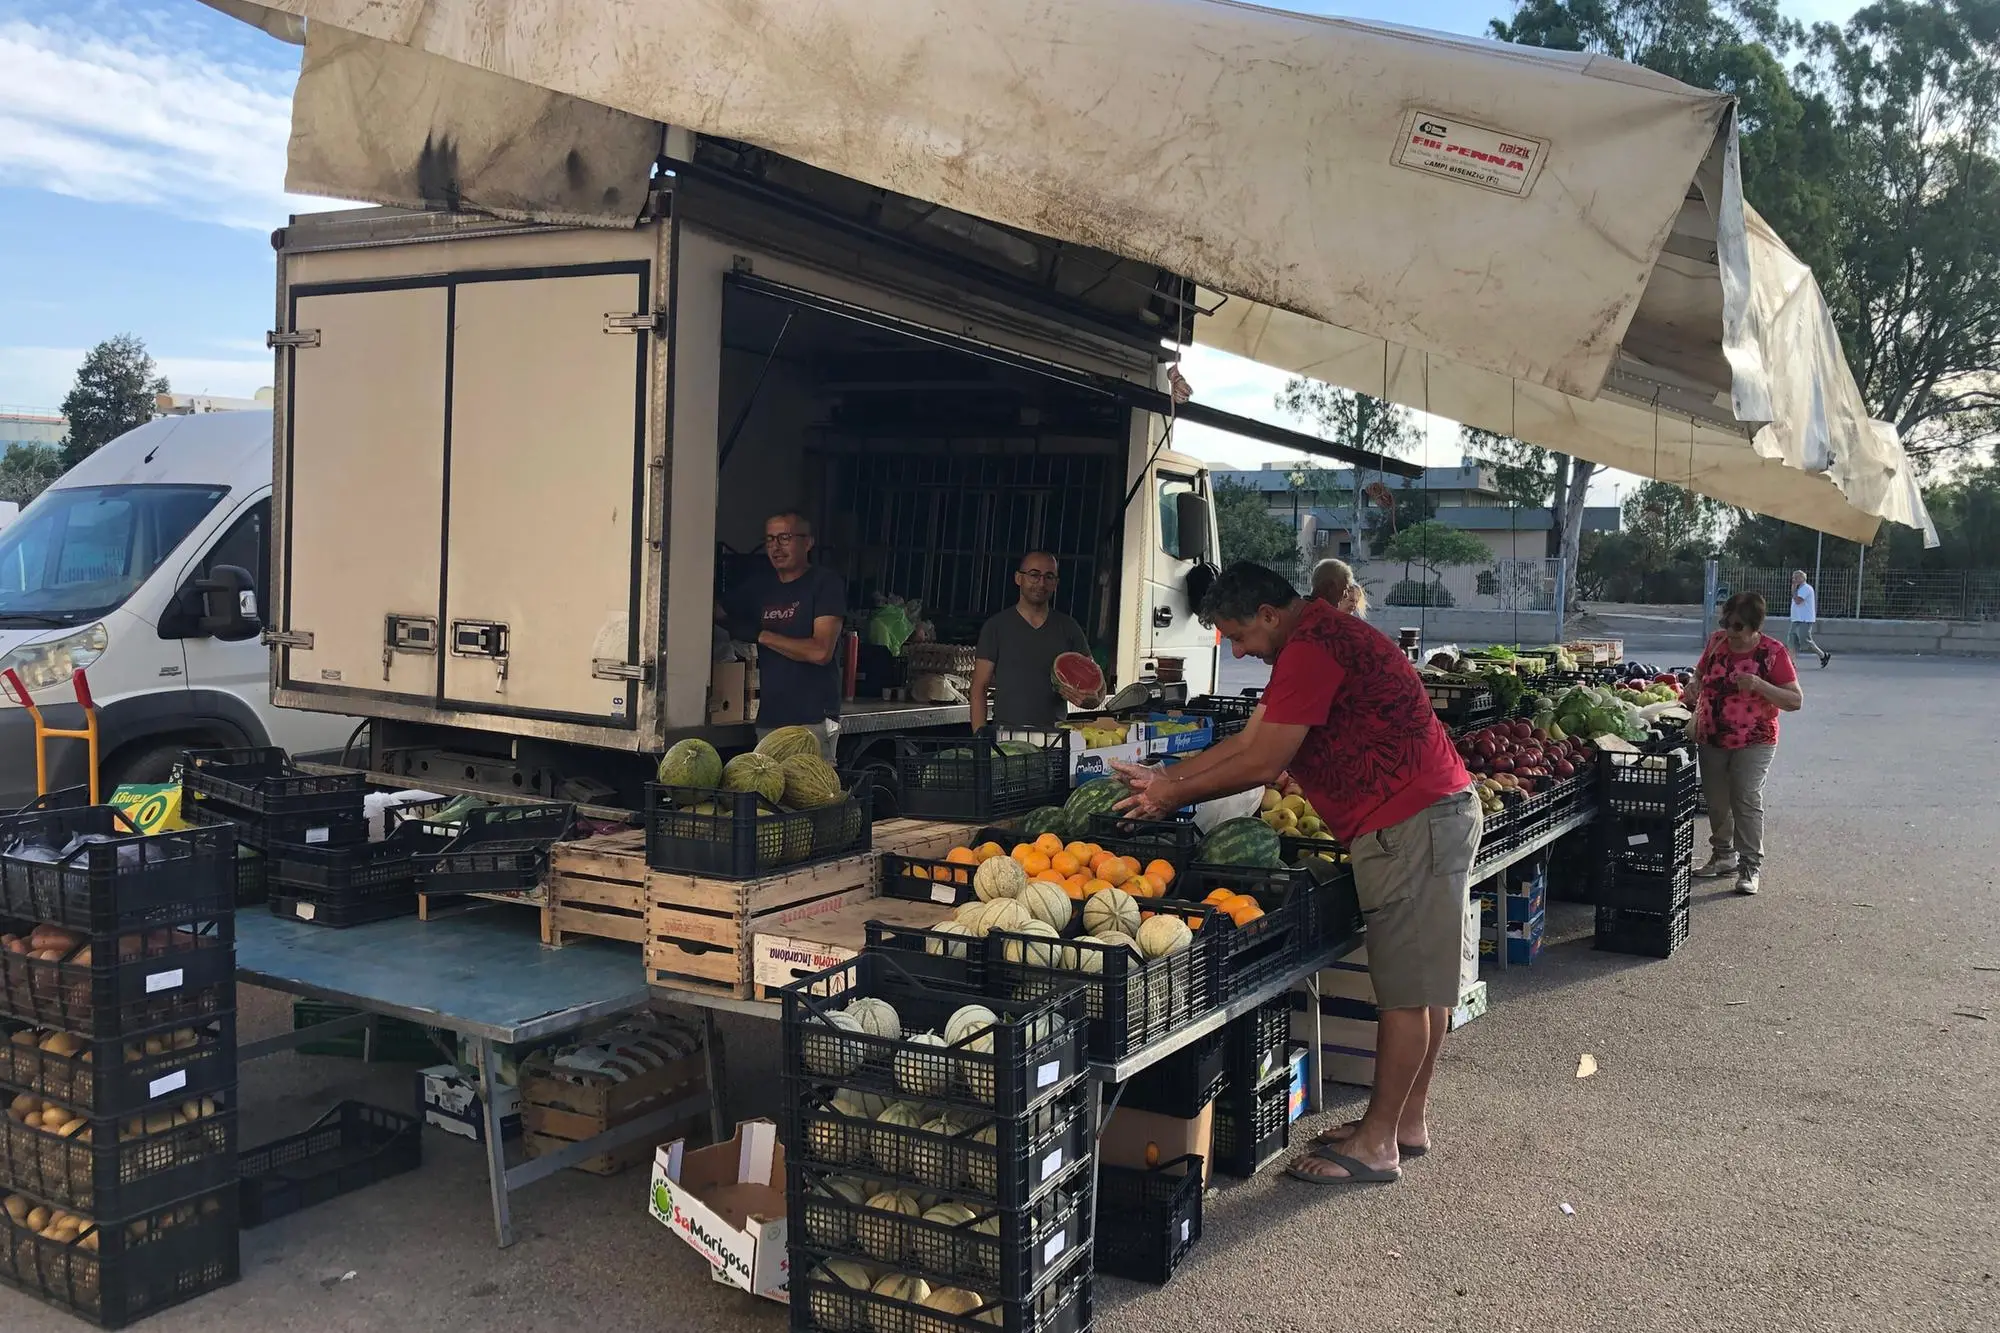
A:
x: 999, y: 877
x: 1111, y: 910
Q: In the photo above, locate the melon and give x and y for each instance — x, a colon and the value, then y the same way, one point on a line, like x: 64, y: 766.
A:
x: 1078, y: 679
x: 830, y: 1141
x: 1163, y: 934
x: 973, y: 917
x: 935, y: 1249
x: 931, y: 1162
x: 892, y: 1150
x: 896, y: 1287
x: 755, y: 772
x: 810, y: 781
x: 1033, y: 955
x: 833, y: 1312
x: 1111, y: 910
x: 968, y: 1020
x: 981, y: 1172
x: 1119, y: 937
x: 878, y: 1018
x: 978, y: 1075
x: 922, y: 1074
x: 1005, y: 914
x: 827, y: 1223
x: 786, y: 742
x: 881, y: 1237
x: 946, y: 948
x: 690, y: 763
x: 999, y: 877
x: 1046, y: 903
x: 1242, y: 842
x: 827, y: 1053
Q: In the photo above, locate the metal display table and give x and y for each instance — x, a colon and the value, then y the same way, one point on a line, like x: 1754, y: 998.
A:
x: 484, y: 975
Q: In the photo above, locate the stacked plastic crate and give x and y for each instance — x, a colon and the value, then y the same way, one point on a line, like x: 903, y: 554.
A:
x: 939, y: 1163
x: 1646, y: 878
x: 1253, y: 1113
x: 117, y: 1063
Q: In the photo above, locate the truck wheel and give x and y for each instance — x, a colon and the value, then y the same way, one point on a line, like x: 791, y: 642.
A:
x: 147, y: 765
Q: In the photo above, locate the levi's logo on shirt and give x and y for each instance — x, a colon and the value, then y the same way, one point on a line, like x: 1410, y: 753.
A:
x: 778, y: 615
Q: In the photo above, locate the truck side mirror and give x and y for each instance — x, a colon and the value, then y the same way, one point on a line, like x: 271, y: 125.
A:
x: 1191, y: 515
x: 229, y: 604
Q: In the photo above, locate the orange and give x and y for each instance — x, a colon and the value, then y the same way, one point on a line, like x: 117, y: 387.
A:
x: 1113, y: 871
x: 1160, y: 872
x: 1096, y: 886
x: 1194, y: 923
x: 1066, y: 863
x: 1081, y: 851
x: 918, y: 871
x: 1141, y: 887
x: 1243, y: 913
x: 1048, y: 844
x: 986, y: 851
x: 962, y: 856
x: 1131, y: 863
x: 1099, y: 856
x: 1035, y: 863
x: 1094, y: 850
x: 1022, y: 851
x: 960, y: 876
x: 1076, y: 881
x: 1049, y: 877
x: 1217, y: 897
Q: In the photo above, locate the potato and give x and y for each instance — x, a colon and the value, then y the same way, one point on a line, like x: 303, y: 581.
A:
x: 156, y: 1046
x: 37, y: 1218
x: 55, y: 1117
x: 133, y: 1054
x: 69, y: 1129
x: 137, y: 1231
x: 131, y: 948
x: 159, y: 1122
x: 88, y: 1241
x: 61, y: 1043
x: 17, y: 945
x: 24, y: 1103
x: 81, y: 958
x: 26, y: 1037
x: 184, y: 1038
x: 17, y: 1207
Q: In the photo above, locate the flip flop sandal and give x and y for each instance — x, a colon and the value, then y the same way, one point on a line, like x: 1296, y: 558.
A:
x: 1406, y: 1150
x: 1358, y: 1172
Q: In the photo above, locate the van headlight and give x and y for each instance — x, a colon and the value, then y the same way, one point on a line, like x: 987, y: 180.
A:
x: 51, y: 663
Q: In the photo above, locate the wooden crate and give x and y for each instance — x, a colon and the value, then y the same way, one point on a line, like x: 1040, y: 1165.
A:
x: 700, y: 933
x: 927, y: 839
x: 800, y: 949
x: 597, y: 886
x: 556, y: 1112
x: 431, y: 908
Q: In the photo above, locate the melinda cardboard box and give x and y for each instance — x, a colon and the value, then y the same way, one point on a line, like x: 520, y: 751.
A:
x: 1129, y: 1133
x: 728, y: 1202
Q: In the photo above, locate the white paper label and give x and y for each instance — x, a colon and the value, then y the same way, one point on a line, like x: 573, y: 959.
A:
x: 318, y: 834
x: 1047, y: 1073
x: 167, y: 1083
x: 159, y: 981
x: 943, y: 893
x: 1442, y: 145
x: 1053, y: 1250
x: 306, y: 911
x: 1638, y: 840
x: 1050, y: 1165
x: 1186, y: 1223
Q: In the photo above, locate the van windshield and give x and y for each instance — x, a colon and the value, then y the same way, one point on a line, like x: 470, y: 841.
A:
x: 74, y: 555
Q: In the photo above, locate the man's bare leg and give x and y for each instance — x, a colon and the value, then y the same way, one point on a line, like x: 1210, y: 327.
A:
x: 1413, y: 1127
x: 1405, y: 1051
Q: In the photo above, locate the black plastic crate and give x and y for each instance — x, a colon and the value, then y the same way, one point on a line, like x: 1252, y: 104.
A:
x: 497, y: 849
x: 338, y: 913
x: 131, y: 982
x: 313, y: 828
x: 1155, y: 1218
x: 1576, y: 864
x: 1643, y: 891
x: 1128, y: 1000
x: 1174, y: 841
x: 1647, y: 934
x: 1005, y: 1162
x: 119, y: 1167
x: 1256, y: 1050
x: 1252, y: 954
x: 977, y: 779
x: 121, y: 880
x: 350, y: 1147
x: 929, y: 953
x: 253, y: 878
x: 927, y: 880
x: 1252, y: 1126
x: 356, y: 872
x: 1650, y: 786
x: 1654, y: 846
x: 260, y: 780
x: 66, y: 798
x: 114, y: 1273
x: 1031, y: 1051
x: 1230, y: 713
x: 739, y: 835
x: 1184, y: 1083
x: 1003, y: 1252
x: 118, y: 1076
x: 1462, y: 705
x: 823, y: 1303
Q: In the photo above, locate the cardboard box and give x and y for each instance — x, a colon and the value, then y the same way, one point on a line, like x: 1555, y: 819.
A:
x: 1524, y: 941
x: 1471, y: 1005
x: 451, y: 1102
x: 780, y: 958
x: 728, y: 1203
x: 1126, y: 1134
x: 1468, y: 945
x: 1090, y: 765
x: 558, y: 1111
x: 1348, y: 978
x: 1295, y: 1109
x: 732, y: 693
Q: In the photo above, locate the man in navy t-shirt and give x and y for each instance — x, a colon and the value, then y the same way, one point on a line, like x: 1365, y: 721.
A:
x: 794, y: 615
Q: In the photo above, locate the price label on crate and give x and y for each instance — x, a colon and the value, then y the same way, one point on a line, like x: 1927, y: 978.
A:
x: 944, y: 893
x: 167, y: 1083
x: 317, y: 835
x: 1053, y: 1250
x: 1047, y: 1073
x: 306, y: 911
x: 168, y: 980
x: 1186, y: 1224
x: 1050, y: 1165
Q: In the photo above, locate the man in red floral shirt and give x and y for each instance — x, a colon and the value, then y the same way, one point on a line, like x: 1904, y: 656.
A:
x: 1348, y: 716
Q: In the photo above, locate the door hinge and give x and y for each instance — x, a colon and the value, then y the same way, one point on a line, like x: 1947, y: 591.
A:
x: 653, y: 323
x: 605, y: 668
x: 287, y: 638
x: 296, y: 338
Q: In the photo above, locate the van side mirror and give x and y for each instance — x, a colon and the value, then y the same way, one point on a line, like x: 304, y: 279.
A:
x: 1191, y: 515
x: 229, y: 605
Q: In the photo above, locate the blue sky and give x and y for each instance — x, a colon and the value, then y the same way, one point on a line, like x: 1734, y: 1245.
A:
x: 142, y: 156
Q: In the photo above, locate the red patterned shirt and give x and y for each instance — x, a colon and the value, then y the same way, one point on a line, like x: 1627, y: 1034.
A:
x: 1734, y: 719
x: 1376, y: 753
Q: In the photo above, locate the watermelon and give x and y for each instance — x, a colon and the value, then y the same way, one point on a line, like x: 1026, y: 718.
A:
x: 1096, y: 797
x: 1241, y: 842
x: 1048, y: 819
x: 690, y: 763
x: 1078, y: 679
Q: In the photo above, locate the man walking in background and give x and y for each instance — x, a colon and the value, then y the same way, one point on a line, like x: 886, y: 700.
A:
x: 1018, y: 648
x: 1805, y: 611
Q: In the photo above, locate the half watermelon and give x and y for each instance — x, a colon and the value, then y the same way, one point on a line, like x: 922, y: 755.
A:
x: 1078, y: 679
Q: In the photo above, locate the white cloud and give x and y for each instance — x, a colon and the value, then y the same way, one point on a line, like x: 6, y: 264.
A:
x: 128, y: 117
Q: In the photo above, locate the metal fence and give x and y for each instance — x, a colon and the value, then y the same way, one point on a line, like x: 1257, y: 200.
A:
x: 1505, y: 584
x: 1884, y: 594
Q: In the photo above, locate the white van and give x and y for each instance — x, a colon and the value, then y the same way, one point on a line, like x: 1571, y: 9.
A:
x: 101, y: 571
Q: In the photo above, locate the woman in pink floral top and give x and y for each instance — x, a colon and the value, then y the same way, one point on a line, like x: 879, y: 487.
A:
x: 1744, y: 680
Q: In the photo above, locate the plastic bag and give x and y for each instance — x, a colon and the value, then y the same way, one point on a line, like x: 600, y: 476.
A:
x: 889, y: 627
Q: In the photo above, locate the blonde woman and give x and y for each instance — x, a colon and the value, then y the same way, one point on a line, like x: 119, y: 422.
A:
x: 1333, y: 582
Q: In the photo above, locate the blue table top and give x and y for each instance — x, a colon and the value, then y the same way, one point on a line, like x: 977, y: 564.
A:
x: 481, y: 972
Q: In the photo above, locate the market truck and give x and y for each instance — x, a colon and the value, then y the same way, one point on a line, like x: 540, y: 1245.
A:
x: 510, y: 457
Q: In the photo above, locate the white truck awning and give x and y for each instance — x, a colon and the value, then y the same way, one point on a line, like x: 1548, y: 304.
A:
x: 1555, y: 240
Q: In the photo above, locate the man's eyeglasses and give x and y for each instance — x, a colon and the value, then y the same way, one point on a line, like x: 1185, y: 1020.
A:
x: 1037, y: 575
x: 782, y: 538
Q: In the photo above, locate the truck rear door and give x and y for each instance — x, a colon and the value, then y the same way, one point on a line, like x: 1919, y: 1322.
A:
x: 1171, y: 623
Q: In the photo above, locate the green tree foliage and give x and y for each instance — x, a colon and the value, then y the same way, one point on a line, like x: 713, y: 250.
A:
x: 27, y: 470
x: 114, y: 391
x: 1538, y: 478
x: 1435, y: 545
x: 1660, y: 556
x: 1249, y: 531
x: 1357, y: 421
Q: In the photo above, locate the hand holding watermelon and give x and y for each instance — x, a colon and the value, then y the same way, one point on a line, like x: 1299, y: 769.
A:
x: 1078, y: 679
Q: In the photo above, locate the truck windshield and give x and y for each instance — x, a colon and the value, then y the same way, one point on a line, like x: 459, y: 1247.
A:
x: 74, y: 555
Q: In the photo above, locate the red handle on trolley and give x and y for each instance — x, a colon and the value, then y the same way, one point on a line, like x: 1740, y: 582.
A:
x: 16, y: 690
x: 83, y: 689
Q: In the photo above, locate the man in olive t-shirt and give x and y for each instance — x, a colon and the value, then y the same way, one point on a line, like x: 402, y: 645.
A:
x: 1019, y: 646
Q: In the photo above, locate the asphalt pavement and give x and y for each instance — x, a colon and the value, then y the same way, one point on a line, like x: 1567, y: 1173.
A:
x: 1791, y: 1126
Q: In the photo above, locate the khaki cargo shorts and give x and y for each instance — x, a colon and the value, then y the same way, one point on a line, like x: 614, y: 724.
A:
x: 1412, y: 879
